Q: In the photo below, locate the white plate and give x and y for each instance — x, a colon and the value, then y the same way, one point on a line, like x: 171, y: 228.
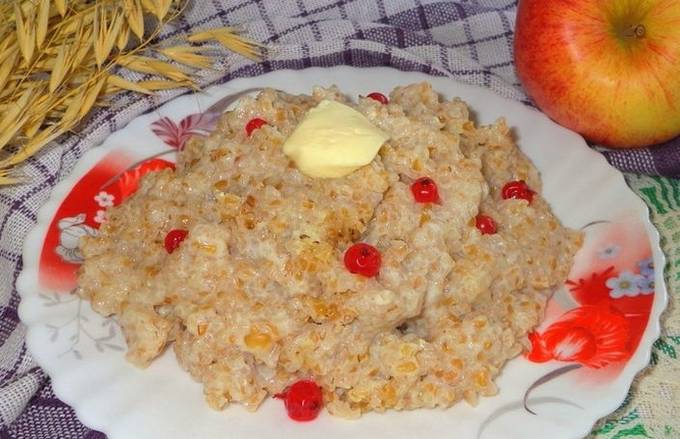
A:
x: 81, y: 351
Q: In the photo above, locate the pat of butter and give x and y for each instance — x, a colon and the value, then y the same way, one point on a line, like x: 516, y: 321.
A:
x: 333, y: 140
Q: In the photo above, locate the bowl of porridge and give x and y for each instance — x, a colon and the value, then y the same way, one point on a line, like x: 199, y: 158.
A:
x: 406, y: 283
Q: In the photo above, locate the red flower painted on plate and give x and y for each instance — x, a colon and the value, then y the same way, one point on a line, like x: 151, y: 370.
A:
x: 176, y: 135
x: 592, y: 290
x: 593, y: 336
x: 82, y: 211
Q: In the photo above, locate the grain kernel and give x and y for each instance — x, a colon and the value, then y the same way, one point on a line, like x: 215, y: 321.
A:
x: 152, y: 270
x: 388, y: 395
x: 216, y: 154
x: 206, y: 248
x: 470, y: 396
x: 407, y: 367
x: 257, y: 340
x: 481, y: 378
x: 221, y: 185
x: 457, y: 363
x: 450, y: 376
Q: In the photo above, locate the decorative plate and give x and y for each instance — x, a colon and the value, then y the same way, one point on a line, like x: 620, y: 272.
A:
x: 597, y: 333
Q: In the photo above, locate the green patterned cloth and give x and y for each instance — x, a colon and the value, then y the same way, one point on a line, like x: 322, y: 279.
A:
x: 651, y: 408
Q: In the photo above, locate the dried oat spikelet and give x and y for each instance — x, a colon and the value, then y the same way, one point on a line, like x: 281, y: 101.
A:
x: 228, y: 38
x: 187, y: 55
x: 60, y: 58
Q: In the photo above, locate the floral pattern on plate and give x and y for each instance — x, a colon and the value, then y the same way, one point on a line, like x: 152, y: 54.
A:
x: 176, y: 135
x: 612, y: 286
x: 113, y: 179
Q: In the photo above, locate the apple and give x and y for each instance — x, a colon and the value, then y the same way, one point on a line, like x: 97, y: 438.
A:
x: 607, y: 69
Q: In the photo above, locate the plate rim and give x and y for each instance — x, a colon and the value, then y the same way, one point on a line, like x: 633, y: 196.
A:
x: 34, y: 237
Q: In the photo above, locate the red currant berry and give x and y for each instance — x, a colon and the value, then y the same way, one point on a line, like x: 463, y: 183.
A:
x: 378, y: 97
x: 517, y: 189
x: 303, y: 400
x: 425, y: 190
x: 363, y: 259
x: 254, y: 124
x: 485, y: 224
x: 174, y: 238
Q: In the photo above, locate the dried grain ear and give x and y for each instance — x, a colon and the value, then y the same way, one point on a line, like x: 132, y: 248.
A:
x: 70, y: 116
x: 162, y: 84
x: 42, y: 21
x: 6, y: 179
x: 91, y: 94
x: 123, y: 36
x: 7, y: 44
x: 144, y: 64
x: 61, y: 6
x: 228, y: 37
x: 25, y: 31
x: 105, y: 33
x: 187, y: 55
x: 57, y: 59
x: 60, y: 68
x: 84, y: 47
x: 32, y: 146
x: 159, y: 8
x: 123, y: 84
x: 135, y: 17
x: 163, y: 8
x: 15, y: 116
x: 6, y: 67
x: 40, y: 110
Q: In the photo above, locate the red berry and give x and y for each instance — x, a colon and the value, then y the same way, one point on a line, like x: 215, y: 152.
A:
x: 363, y: 259
x: 378, y: 97
x: 517, y: 189
x: 254, y: 124
x: 174, y: 238
x: 425, y: 190
x: 303, y: 400
x: 485, y: 224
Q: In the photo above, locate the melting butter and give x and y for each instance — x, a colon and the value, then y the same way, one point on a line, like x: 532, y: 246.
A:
x: 333, y: 140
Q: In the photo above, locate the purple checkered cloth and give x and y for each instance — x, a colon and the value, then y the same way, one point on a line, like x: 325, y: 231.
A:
x: 470, y: 41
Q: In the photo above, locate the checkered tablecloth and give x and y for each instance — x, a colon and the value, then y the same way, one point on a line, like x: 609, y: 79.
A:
x: 470, y: 41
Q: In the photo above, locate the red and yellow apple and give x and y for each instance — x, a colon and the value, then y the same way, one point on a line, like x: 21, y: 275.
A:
x: 607, y: 69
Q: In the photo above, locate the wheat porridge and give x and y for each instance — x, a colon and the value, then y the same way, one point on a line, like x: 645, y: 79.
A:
x: 407, y: 283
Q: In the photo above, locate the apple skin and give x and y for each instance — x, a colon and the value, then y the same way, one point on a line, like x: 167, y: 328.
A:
x: 607, y: 69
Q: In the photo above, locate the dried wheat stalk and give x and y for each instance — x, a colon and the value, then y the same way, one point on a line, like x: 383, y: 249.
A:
x: 58, y: 60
